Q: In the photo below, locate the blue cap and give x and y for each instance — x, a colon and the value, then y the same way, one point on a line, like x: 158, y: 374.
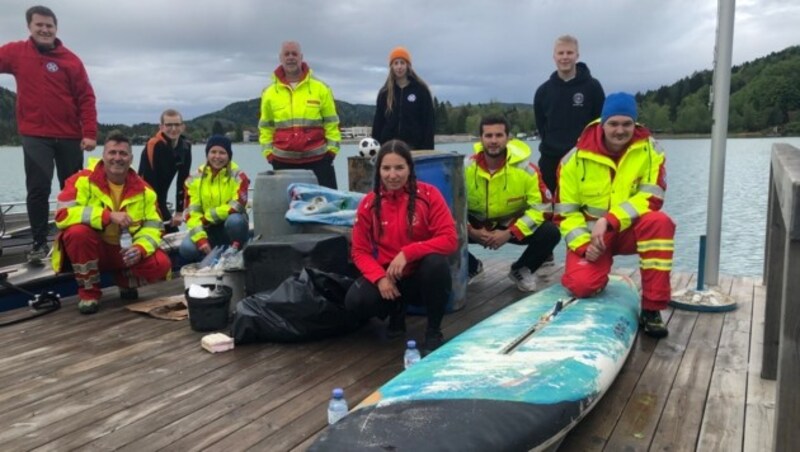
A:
x: 622, y: 104
x: 338, y: 393
x: 411, y: 344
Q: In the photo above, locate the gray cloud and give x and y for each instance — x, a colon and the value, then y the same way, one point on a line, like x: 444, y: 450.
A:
x: 199, y: 56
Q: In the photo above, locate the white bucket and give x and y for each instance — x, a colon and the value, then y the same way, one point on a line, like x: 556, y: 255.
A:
x: 233, y: 279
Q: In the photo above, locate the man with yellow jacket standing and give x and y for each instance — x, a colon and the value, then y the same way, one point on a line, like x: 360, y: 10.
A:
x: 97, y: 207
x: 506, y: 203
x: 299, y: 127
x: 611, y: 188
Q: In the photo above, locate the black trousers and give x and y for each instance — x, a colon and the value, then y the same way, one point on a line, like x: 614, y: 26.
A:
x: 430, y: 286
x: 323, y: 169
x: 41, y: 156
x: 548, y: 165
x: 540, y: 246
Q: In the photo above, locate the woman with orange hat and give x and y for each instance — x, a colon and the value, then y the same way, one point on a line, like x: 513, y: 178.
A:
x: 404, y: 106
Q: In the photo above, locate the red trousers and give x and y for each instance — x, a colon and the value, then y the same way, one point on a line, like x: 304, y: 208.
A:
x: 90, y: 255
x: 651, y: 236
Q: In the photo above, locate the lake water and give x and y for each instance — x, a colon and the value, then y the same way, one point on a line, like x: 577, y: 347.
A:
x: 744, y: 211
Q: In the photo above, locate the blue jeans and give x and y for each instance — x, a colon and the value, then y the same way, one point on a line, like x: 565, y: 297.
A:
x: 235, y: 229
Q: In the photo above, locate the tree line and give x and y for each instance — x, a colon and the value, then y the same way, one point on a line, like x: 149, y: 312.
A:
x: 765, y: 100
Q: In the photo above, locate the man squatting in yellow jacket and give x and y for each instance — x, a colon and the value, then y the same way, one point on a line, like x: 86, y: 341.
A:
x: 507, y: 201
x: 94, y: 207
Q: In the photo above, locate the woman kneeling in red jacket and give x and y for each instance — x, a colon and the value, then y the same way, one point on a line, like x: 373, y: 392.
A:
x: 402, y: 236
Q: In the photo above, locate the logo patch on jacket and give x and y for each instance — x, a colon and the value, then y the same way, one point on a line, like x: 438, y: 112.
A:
x: 577, y: 100
x: 51, y: 66
x: 412, y: 97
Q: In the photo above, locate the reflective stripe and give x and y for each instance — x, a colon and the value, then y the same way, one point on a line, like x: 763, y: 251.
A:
x: 544, y: 208
x: 236, y: 206
x: 151, y: 241
x: 655, y: 245
x: 575, y: 233
x: 300, y: 154
x: 86, y: 215
x: 298, y: 122
x: 153, y: 224
x: 654, y: 190
x: 85, y: 268
x: 630, y: 210
x: 656, y: 264
x: 195, y: 208
x: 330, y: 119
x: 332, y: 143
x: 266, y: 124
x: 567, y: 208
x: 196, y: 230
x: 215, y: 215
x: 88, y: 281
x: 529, y: 223
x: 594, y: 211
x: 266, y: 147
x: 66, y: 204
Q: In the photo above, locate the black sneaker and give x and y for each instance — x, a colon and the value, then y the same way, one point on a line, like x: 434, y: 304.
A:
x: 653, y: 324
x: 433, y: 340
x: 128, y: 293
x: 37, y: 253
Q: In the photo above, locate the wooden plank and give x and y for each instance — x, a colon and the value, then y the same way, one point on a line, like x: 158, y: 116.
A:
x: 787, y: 397
x: 773, y: 264
x: 680, y: 421
x: 638, y: 422
x: 592, y: 433
x: 722, y: 427
x: 760, y: 409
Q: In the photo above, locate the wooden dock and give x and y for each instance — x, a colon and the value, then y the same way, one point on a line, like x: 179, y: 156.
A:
x: 120, y: 380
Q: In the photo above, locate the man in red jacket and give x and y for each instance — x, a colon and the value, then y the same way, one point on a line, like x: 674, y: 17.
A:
x: 56, y: 114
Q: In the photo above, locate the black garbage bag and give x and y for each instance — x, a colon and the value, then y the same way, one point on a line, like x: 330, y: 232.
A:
x: 306, y: 306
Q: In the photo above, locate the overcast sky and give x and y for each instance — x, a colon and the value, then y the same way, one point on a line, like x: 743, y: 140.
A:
x: 201, y: 55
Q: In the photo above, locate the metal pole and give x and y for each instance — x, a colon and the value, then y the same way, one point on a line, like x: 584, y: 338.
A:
x: 701, y: 278
x: 719, y: 133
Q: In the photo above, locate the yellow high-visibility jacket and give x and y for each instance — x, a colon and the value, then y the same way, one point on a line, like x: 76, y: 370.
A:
x: 300, y: 124
x: 86, y: 199
x: 514, y: 197
x: 592, y: 185
x: 210, y: 198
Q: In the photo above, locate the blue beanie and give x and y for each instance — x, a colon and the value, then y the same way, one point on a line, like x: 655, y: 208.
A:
x: 219, y: 140
x: 622, y: 104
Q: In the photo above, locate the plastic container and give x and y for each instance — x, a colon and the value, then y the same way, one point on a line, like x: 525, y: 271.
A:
x: 270, y: 201
x: 206, y: 276
x: 125, y: 238
x: 412, y: 355
x: 212, y: 313
x: 337, y: 407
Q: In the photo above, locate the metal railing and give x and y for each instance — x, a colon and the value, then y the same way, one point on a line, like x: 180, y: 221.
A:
x: 781, y: 358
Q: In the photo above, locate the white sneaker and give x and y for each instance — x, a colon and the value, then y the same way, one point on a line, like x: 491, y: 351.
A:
x: 524, y: 279
x: 546, y: 268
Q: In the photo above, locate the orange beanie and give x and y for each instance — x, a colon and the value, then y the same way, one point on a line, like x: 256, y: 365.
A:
x: 399, y: 52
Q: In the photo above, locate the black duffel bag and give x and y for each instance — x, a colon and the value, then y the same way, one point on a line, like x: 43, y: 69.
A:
x: 306, y: 306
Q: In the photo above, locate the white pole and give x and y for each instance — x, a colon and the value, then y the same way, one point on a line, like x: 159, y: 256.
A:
x: 719, y: 134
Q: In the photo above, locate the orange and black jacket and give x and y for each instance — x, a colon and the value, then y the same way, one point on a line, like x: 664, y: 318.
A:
x: 159, y: 164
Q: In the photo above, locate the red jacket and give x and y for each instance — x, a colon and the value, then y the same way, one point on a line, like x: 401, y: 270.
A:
x: 434, y: 231
x: 54, y: 96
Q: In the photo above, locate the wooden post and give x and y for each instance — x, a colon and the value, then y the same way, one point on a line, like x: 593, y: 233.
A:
x: 785, y: 196
x: 773, y: 278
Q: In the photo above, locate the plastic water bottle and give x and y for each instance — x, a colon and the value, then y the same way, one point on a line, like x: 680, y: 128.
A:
x: 337, y: 407
x: 211, y: 258
x: 412, y: 355
x: 125, y: 238
x: 219, y: 292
